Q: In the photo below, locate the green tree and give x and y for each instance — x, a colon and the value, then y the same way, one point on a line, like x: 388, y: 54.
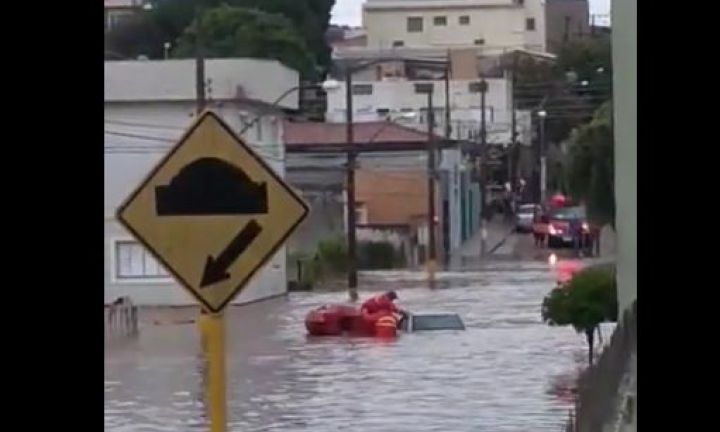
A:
x: 590, y: 298
x: 557, y: 86
x: 170, y: 19
x: 591, y: 166
x: 228, y: 31
x: 134, y: 37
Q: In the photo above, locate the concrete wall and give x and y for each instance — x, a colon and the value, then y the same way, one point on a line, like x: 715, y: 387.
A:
x: 324, y: 221
x: 624, y: 42
x: 174, y: 80
x: 500, y: 23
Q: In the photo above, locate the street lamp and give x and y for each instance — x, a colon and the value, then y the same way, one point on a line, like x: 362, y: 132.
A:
x: 542, y: 114
x: 327, y: 85
x: 482, y: 88
x: 166, y: 50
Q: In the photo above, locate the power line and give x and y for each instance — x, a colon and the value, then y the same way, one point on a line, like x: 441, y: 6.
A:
x: 144, y: 125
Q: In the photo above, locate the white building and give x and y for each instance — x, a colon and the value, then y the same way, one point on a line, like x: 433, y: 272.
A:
x: 495, y: 24
x: 148, y: 105
x: 377, y: 100
x: 118, y: 10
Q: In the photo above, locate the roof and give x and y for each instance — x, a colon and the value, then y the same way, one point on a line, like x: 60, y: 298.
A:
x: 237, y: 79
x: 368, y: 136
x: 123, y: 4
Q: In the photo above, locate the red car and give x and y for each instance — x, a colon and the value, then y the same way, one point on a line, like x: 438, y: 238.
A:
x: 567, y: 226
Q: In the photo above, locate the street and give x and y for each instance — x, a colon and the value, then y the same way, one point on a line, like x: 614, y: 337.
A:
x: 507, y: 372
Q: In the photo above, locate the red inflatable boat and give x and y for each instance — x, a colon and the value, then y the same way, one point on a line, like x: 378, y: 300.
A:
x: 335, y: 320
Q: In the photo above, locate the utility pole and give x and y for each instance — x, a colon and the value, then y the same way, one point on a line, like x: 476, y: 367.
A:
x: 543, y: 157
x: 512, y: 168
x: 201, y: 101
x: 350, y: 187
x: 448, y: 133
x: 432, y: 248
x: 483, y: 168
x: 448, y: 128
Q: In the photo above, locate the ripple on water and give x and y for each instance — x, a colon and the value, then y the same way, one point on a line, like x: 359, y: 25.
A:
x: 507, y: 372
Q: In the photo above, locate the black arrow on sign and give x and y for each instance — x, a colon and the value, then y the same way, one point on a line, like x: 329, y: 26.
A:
x: 216, y: 269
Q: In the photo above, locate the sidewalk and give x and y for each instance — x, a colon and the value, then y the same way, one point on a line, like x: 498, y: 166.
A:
x: 498, y: 231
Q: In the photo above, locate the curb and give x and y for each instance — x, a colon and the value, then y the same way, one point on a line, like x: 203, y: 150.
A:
x: 501, y: 242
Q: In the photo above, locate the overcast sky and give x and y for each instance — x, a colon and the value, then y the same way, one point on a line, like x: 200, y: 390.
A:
x: 350, y: 11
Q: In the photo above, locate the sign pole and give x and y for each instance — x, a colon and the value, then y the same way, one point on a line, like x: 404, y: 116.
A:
x: 216, y: 392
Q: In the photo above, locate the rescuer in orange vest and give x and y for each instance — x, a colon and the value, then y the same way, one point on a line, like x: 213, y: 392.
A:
x: 381, y: 305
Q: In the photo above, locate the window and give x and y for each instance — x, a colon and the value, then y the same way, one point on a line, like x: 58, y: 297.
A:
x: 520, y: 2
x: 423, y: 88
x: 530, y: 24
x: 479, y: 41
x: 440, y: 21
x: 383, y: 112
x: 133, y: 262
x: 398, y: 43
x: 362, y: 89
x: 414, y: 24
x: 464, y: 20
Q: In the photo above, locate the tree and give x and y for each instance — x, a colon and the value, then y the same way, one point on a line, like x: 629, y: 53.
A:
x: 309, y: 18
x: 591, y: 166
x: 134, y: 37
x: 228, y: 31
x: 558, y: 87
x: 588, y: 299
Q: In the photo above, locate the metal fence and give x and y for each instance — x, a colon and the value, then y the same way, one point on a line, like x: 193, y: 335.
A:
x: 599, y: 386
x: 122, y: 318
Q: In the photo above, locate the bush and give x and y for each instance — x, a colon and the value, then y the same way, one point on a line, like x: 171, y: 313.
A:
x: 379, y: 255
x: 332, y: 254
x: 588, y: 299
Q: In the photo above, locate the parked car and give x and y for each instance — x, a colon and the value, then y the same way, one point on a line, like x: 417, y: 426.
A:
x: 525, y: 216
x: 567, y: 226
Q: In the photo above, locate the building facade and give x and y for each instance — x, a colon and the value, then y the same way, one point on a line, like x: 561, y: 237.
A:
x: 118, y: 10
x: 491, y: 25
x: 447, y: 23
x: 148, y: 105
x: 316, y: 157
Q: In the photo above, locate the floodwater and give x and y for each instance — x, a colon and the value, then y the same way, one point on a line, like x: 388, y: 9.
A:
x: 507, y: 372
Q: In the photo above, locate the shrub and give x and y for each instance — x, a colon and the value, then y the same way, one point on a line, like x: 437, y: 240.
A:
x: 587, y: 300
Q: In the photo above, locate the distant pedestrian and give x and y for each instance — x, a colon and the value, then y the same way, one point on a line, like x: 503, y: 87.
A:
x: 540, y: 230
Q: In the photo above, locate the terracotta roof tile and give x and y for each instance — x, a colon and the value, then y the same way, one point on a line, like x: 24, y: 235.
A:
x: 315, y: 133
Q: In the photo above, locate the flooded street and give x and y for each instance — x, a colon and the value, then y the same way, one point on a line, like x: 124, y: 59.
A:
x: 504, y: 373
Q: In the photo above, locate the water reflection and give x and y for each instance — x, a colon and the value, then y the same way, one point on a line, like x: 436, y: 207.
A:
x: 506, y: 372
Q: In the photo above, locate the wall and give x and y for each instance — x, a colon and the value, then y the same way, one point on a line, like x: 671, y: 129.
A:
x: 174, y: 80
x: 624, y: 42
x: 400, y: 238
x: 535, y: 40
x: 400, y: 97
x: 500, y: 23
x: 129, y: 157
x: 324, y: 221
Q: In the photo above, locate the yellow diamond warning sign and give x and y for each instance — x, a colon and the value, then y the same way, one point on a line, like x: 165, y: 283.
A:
x: 212, y: 212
